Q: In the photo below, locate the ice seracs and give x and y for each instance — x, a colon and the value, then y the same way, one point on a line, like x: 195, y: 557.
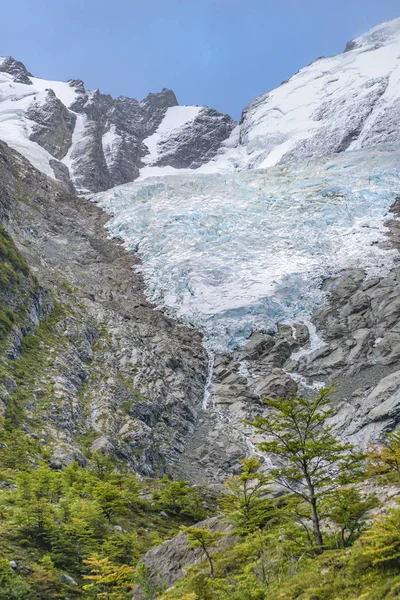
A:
x: 235, y: 253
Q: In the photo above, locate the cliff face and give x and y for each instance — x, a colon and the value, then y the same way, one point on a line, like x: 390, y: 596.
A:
x: 85, y: 360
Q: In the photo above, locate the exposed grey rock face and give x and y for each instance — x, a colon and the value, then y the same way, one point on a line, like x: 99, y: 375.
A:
x: 118, y: 371
x: 54, y: 125
x: 168, y: 562
x: 68, y: 579
x: 105, y: 164
x: 61, y: 173
x: 196, y: 143
x: 114, y: 131
x: 15, y: 68
x: 360, y: 352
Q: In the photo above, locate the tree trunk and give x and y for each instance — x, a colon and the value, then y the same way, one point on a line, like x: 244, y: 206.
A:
x: 316, y: 526
x: 314, y: 512
x: 263, y: 573
x: 210, y: 562
x: 343, y: 538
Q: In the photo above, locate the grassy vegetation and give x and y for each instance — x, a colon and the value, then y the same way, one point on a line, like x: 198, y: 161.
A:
x: 12, y: 265
x: 34, y: 359
x: 14, y: 273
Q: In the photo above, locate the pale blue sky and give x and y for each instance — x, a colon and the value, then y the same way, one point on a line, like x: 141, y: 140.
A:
x: 221, y: 53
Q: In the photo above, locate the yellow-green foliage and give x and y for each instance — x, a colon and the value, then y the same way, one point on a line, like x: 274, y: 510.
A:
x: 386, y: 460
x: 245, y: 501
x: 179, y: 498
x: 64, y: 521
x: 275, y: 557
x: 108, y: 581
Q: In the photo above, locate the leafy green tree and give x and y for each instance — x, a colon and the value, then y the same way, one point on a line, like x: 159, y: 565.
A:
x: 179, y: 498
x: 108, y: 581
x: 110, y: 498
x: 45, y: 580
x: 102, y: 465
x: 17, y: 451
x: 349, y: 510
x: 46, y: 484
x: 311, y: 462
x: 36, y: 520
x: 203, y: 538
x: 245, y: 502
x: 386, y: 459
x: 83, y: 527
x: 122, y: 548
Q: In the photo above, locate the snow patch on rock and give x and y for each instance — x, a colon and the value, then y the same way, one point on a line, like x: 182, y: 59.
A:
x: 175, y: 118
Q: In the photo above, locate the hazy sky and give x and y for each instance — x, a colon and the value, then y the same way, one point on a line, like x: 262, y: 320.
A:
x: 221, y: 53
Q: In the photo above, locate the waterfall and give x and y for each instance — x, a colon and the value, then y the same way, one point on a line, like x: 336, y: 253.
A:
x: 207, y: 387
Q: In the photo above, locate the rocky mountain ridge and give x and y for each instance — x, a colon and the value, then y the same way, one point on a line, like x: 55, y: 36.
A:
x: 92, y: 142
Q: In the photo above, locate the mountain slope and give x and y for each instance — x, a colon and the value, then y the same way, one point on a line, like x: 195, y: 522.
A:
x: 344, y: 102
x: 84, y: 359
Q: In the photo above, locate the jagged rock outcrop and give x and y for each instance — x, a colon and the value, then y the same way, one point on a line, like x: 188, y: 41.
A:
x: 197, y: 142
x: 54, y: 125
x: 113, y: 134
x: 16, y: 69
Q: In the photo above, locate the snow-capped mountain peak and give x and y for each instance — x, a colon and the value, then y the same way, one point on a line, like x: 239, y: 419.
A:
x: 378, y: 36
x: 339, y: 103
x: 93, y: 142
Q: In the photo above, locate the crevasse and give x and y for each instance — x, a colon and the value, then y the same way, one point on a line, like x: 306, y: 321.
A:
x: 230, y: 254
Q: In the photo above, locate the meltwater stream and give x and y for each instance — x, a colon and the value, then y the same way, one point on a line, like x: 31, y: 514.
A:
x: 235, y: 253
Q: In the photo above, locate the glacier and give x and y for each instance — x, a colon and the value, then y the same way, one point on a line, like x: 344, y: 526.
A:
x: 234, y: 253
